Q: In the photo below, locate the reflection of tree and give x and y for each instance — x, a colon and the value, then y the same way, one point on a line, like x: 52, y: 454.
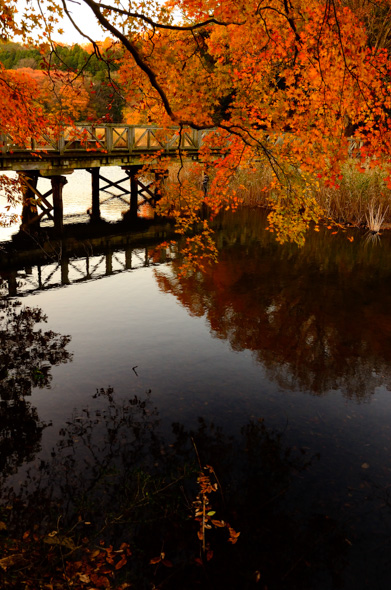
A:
x: 113, y: 478
x: 20, y: 435
x: 316, y: 318
x: 26, y: 357
x: 27, y: 354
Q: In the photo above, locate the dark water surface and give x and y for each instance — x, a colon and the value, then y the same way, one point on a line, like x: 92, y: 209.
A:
x: 277, y: 361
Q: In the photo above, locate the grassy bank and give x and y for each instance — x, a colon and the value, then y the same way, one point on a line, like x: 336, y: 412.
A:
x: 362, y: 198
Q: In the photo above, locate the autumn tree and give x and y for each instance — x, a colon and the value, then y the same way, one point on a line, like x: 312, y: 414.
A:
x: 376, y: 15
x: 277, y: 84
x: 61, y: 98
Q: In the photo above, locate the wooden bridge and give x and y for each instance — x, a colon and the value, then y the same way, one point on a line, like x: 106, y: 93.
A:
x: 91, y: 147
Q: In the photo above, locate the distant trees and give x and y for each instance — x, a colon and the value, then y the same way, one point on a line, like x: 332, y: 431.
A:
x: 94, y: 95
x: 12, y: 54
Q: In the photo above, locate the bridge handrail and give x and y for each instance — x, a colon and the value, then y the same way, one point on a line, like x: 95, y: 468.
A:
x: 109, y: 138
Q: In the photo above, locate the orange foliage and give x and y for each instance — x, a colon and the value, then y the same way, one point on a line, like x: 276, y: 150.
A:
x: 62, y: 97
x: 20, y: 113
x: 106, y: 44
x: 281, y: 83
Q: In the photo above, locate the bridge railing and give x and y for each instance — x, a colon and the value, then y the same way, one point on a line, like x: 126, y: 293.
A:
x: 110, y: 139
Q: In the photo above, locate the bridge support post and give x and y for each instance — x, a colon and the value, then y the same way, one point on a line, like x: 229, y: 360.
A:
x: 132, y: 172
x: 12, y: 284
x: 95, y: 209
x: 109, y: 262
x: 39, y: 269
x: 29, y: 180
x: 65, y: 270
x: 58, y: 183
x: 128, y: 257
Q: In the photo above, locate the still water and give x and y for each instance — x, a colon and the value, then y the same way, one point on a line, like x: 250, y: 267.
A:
x: 276, y: 361
x: 77, y: 198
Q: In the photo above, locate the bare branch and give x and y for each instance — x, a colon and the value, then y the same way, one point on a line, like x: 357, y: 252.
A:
x: 135, y: 53
x: 157, y: 25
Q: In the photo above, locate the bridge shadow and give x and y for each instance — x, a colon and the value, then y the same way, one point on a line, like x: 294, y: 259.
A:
x: 35, y: 261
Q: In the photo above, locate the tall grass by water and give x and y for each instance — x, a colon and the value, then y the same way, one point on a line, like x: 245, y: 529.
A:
x: 362, y: 198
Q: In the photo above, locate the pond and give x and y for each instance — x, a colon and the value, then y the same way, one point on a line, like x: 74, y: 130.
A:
x: 273, y: 367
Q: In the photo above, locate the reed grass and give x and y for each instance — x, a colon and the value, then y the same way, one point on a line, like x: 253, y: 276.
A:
x: 362, y: 198
x: 375, y: 217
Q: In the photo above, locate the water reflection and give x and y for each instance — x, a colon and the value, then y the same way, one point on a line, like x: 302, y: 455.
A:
x: 87, y: 253
x: 27, y: 355
x: 311, y: 501
x: 21, y: 434
x: 113, y: 481
x: 317, y: 319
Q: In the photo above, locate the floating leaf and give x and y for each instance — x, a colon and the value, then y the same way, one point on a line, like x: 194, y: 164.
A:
x: 155, y: 560
x: 167, y: 563
x: 16, y: 559
x: 121, y: 562
x: 62, y: 541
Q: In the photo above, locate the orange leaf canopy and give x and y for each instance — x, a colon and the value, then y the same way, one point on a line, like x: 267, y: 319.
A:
x: 289, y: 85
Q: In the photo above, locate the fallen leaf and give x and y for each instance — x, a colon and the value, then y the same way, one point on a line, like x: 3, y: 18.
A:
x: 121, y: 562
x: 59, y: 540
x: 167, y: 563
x: 155, y: 560
x: 11, y: 560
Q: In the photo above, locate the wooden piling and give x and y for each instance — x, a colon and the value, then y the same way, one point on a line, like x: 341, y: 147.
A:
x: 95, y: 205
x: 29, y: 180
x: 65, y: 270
x: 12, y: 283
x: 132, y: 172
x: 109, y: 262
x: 58, y: 183
x: 128, y: 257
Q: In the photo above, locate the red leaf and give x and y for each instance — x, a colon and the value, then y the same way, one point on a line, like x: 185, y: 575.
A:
x: 121, y: 562
x: 167, y: 563
x: 155, y: 560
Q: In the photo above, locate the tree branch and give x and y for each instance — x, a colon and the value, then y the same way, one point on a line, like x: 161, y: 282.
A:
x: 157, y: 25
x: 135, y: 53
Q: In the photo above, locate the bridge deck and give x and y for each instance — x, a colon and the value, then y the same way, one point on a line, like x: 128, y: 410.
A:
x: 97, y: 145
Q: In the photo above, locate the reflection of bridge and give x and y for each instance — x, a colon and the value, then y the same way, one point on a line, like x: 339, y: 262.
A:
x: 91, y: 147
x: 53, y: 264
